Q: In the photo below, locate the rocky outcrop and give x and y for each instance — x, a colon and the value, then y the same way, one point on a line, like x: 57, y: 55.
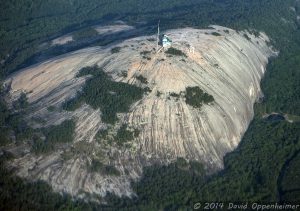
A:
x: 226, y: 64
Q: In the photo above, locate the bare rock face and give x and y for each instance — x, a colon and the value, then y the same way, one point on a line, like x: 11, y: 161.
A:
x: 226, y: 64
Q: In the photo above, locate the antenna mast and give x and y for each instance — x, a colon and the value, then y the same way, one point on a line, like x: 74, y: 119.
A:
x: 157, y: 35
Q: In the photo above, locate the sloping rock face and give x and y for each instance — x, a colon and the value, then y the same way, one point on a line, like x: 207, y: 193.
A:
x: 224, y: 63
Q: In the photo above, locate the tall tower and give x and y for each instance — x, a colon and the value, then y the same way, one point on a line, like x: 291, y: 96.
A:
x: 157, y: 43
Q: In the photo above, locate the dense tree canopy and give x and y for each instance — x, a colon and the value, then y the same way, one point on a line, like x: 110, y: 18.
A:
x: 100, y: 91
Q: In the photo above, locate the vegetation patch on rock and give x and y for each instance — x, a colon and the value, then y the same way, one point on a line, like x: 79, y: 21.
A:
x: 100, y: 91
x: 175, y: 52
x: 56, y: 134
x: 97, y: 166
x: 196, y: 97
x: 115, y: 50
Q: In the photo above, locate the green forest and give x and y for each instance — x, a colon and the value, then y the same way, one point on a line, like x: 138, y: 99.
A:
x: 100, y: 91
x: 54, y: 135
x: 264, y: 167
x: 196, y: 97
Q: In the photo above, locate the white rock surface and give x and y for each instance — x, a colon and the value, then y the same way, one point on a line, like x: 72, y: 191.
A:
x: 228, y: 67
x: 62, y: 40
x: 118, y: 27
